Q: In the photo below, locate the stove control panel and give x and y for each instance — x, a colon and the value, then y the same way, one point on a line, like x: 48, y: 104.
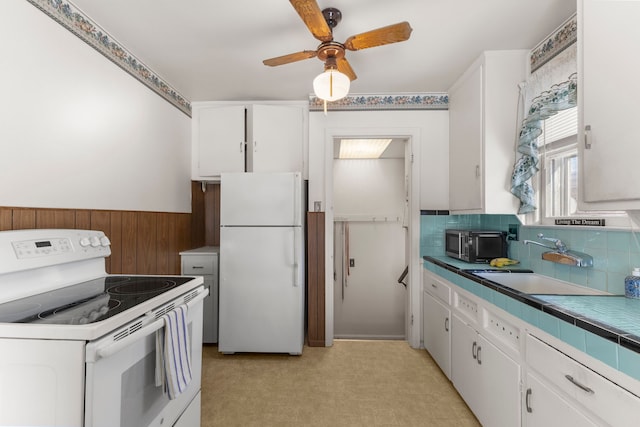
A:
x: 37, y: 248
x: 22, y: 250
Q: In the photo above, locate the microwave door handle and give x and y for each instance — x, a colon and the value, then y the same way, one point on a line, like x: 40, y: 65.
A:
x: 113, y: 347
x: 459, y: 245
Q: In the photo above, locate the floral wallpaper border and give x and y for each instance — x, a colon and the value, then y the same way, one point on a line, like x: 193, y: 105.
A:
x: 564, y: 36
x: 70, y: 17
x: 424, y: 101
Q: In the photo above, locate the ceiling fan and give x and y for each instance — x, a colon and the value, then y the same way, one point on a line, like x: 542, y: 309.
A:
x: 332, y: 53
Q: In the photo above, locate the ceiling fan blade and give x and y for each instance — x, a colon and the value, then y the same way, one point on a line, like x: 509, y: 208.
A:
x: 312, y: 16
x: 345, y: 68
x: 292, y: 57
x: 378, y: 37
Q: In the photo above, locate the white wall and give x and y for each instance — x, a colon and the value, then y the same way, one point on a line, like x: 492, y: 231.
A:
x: 368, y: 187
x: 76, y: 131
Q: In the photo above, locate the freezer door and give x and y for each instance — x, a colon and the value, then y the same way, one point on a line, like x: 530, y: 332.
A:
x: 273, y: 199
x: 261, y: 290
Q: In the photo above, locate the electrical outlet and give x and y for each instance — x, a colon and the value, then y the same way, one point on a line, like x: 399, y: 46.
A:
x: 513, y: 232
x: 317, y: 206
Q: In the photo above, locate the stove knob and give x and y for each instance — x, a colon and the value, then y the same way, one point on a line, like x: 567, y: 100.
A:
x: 84, y: 242
x: 94, y: 241
x: 104, y: 241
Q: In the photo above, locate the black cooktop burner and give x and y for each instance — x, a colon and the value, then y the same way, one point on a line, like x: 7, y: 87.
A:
x: 88, y: 302
x: 142, y: 285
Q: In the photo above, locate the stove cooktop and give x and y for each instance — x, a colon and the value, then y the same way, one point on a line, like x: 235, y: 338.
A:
x: 88, y: 302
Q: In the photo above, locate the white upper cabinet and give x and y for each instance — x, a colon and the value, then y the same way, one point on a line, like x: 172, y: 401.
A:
x: 218, y: 141
x: 609, y: 136
x: 483, y: 106
x: 231, y: 137
x: 275, y: 138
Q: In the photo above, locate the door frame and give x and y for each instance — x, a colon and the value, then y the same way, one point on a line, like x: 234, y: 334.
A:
x: 412, y: 136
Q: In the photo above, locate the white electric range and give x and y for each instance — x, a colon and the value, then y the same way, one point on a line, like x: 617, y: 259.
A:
x: 78, y: 346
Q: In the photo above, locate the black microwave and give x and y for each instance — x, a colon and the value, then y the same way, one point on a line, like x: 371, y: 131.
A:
x: 475, y: 245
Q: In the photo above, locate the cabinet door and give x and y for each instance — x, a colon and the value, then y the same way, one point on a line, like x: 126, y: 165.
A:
x: 543, y: 407
x: 464, y: 367
x: 486, y: 378
x: 608, y: 102
x: 465, y: 152
x: 500, y: 392
x: 221, y: 139
x: 436, y: 318
x: 276, y: 139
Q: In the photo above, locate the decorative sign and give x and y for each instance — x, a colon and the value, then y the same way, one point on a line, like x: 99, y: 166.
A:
x: 581, y: 221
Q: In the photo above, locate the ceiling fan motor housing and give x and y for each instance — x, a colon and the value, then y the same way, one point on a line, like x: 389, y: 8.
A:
x: 332, y: 15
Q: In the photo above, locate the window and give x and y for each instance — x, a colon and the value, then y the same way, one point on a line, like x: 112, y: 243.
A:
x: 558, y: 147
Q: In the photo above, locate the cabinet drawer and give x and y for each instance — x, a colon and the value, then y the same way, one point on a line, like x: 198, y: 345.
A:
x: 198, y: 264
x: 612, y: 403
x: 437, y: 288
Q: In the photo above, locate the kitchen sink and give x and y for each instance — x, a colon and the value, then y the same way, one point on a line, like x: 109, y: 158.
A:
x: 532, y: 283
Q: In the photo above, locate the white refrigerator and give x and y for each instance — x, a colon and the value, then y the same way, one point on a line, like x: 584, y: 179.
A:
x: 261, y: 263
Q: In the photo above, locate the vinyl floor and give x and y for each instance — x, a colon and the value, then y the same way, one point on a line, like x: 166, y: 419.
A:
x: 353, y: 383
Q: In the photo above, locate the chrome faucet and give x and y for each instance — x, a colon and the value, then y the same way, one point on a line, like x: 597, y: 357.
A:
x: 560, y: 254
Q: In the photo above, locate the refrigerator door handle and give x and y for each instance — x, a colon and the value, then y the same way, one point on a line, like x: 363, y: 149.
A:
x: 297, y: 204
x: 296, y: 267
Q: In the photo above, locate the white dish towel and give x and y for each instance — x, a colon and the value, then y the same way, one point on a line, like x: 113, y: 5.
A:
x: 173, y: 353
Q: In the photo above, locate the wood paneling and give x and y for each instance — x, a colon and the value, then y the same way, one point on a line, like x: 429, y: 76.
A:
x: 212, y: 215
x: 141, y: 242
x: 197, y: 215
x: 315, y: 279
x: 6, y: 219
x: 205, y: 214
x: 129, y: 241
x: 116, y: 242
x: 146, y: 241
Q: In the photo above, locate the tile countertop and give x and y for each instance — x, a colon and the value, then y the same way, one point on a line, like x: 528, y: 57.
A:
x: 612, y: 317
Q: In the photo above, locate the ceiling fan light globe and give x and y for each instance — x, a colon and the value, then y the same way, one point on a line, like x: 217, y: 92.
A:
x: 331, y: 85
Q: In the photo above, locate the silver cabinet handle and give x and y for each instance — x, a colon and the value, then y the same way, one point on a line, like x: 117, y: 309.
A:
x: 446, y: 324
x: 433, y: 285
x: 527, y: 401
x: 197, y: 266
x: 477, y: 171
x: 241, y: 146
x: 580, y: 386
x: 478, y: 355
x: 587, y: 142
x: 473, y: 349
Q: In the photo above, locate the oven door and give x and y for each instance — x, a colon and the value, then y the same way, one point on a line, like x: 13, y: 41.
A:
x: 120, y: 376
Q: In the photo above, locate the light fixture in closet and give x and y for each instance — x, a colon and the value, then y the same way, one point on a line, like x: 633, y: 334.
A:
x: 363, y: 148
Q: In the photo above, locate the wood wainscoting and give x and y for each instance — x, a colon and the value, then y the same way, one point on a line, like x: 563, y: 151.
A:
x: 315, y: 279
x: 141, y: 242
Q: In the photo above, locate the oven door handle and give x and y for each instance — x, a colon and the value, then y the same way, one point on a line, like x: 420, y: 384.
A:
x: 111, y: 348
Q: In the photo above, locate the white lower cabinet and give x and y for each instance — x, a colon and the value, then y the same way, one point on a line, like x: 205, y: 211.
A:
x: 436, y: 324
x: 545, y: 408
x: 507, y: 371
x: 595, y: 397
x: 486, y: 378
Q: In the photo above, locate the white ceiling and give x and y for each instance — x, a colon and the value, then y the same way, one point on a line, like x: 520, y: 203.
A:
x: 213, y: 50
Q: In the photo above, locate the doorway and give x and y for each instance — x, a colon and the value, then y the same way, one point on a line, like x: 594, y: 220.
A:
x: 370, y: 204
